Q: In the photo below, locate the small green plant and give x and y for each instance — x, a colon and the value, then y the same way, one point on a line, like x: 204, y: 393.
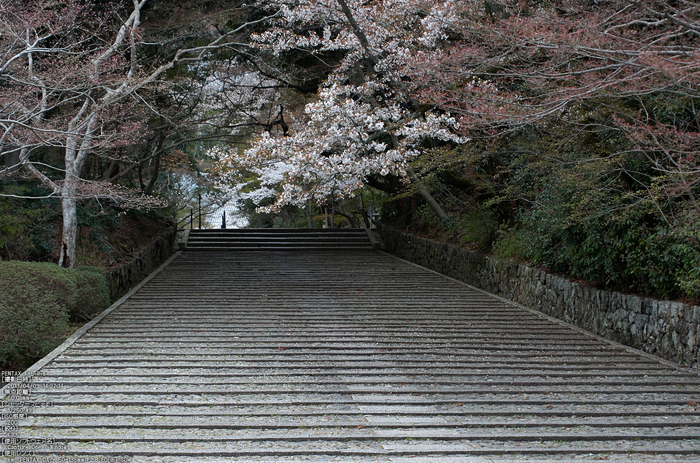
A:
x: 509, y: 246
x: 477, y: 227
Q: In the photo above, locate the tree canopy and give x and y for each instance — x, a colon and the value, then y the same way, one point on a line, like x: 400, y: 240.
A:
x: 571, y: 128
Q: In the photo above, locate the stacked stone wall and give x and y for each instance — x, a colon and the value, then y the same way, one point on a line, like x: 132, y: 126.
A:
x: 664, y: 328
x: 121, y: 279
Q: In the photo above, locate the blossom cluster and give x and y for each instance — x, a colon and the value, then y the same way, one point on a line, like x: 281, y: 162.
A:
x: 364, y: 120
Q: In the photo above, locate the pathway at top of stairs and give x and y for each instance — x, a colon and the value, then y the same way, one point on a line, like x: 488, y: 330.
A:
x: 280, y: 239
x: 326, y: 355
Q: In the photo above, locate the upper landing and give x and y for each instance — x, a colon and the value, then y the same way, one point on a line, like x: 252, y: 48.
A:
x: 281, y: 239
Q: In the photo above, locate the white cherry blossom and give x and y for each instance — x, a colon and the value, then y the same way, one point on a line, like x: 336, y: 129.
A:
x: 355, y: 127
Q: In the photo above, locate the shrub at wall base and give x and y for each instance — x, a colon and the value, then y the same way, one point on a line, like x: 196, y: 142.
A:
x: 40, y: 300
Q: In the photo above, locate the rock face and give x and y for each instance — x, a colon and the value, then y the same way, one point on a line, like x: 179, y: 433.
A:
x: 663, y: 328
x: 121, y: 279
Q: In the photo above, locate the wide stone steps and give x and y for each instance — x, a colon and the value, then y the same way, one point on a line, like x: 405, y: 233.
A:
x: 427, y: 420
x: 278, y: 239
x: 374, y: 448
x: 331, y: 355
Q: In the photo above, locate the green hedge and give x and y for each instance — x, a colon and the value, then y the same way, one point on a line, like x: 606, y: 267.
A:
x: 92, y: 294
x: 39, y: 302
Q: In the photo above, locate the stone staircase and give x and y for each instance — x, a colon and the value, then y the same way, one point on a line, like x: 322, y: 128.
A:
x: 347, y: 356
x: 280, y: 239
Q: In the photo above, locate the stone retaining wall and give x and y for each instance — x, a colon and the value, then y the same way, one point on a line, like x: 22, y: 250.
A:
x: 663, y: 328
x: 121, y: 279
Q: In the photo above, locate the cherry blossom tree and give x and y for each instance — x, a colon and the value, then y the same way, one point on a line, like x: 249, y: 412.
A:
x: 363, y: 121
x: 74, y: 83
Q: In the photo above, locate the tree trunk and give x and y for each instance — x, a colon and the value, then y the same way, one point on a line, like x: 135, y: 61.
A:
x: 333, y: 214
x: 307, y: 213
x: 349, y: 217
x: 69, y: 238
x: 75, y: 157
x: 426, y: 195
x: 154, y: 176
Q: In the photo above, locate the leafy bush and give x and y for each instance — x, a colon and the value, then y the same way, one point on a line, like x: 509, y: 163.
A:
x: 477, y: 226
x: 39, y: 300
x: 632, y: 248
x: 92, y: 294
x: 509, y: 246
x: 34, y: 318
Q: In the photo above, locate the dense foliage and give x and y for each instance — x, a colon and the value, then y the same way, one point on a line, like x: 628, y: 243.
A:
x: 585, y: 117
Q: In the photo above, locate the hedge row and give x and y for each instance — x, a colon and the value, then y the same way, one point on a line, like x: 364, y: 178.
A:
x: 38, y: 304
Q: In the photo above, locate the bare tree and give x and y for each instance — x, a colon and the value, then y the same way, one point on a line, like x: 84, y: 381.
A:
x: 73, y: 84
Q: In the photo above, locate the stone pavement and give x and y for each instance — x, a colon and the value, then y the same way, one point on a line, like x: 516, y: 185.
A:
x: 347, y: 356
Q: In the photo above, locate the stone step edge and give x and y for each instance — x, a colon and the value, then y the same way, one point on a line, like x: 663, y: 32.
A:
x: 366, y: 424
x: 349, y: 452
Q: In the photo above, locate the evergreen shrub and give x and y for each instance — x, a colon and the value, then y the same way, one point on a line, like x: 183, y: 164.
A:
x: 631, y: 249
x: 39, y: 300
x: 92, y: 293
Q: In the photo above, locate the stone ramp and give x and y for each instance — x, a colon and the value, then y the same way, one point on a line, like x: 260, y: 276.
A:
x: 336, y: 356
